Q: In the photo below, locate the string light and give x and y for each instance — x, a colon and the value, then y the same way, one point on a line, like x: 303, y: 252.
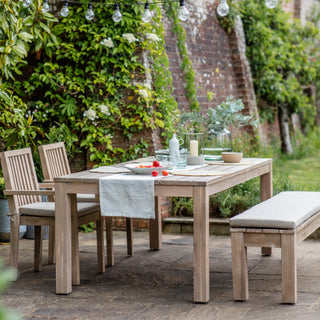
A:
x: 89, y: 13
x: 45, y: 6
x: 26, y: 3
x: 146, y: 16
x: 223, y: 8
x: 183, y: 14
x: 117, y: 16
x: 65, y: 10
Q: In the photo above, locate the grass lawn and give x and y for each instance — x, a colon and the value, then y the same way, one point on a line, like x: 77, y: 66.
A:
x: 303, y: 174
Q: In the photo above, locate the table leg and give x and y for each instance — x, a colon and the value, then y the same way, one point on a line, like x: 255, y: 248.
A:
x: 63, y: 240
x: 109, y: 239
x: 155, y: 227
x: 201, y: 272
x: 129, y: 228
x: 266, y: 192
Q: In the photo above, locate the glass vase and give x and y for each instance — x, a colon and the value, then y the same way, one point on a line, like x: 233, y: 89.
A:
x: 216, y: 142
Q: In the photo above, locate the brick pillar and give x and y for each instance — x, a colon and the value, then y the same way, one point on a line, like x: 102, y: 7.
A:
x: 242, y: 71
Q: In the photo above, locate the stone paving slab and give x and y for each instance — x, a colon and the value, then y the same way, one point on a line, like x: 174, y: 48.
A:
x: 159, y: 284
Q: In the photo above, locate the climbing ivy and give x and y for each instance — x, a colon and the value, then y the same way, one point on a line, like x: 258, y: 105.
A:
x: 104, y: 80
x: 283, y: 56
x: 186, y: 66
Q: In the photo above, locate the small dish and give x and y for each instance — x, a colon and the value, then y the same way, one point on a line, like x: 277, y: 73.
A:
x: 144, y: 168
x: 231, y: 157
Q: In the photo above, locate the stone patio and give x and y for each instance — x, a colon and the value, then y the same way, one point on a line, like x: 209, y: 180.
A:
x: 159, y: 284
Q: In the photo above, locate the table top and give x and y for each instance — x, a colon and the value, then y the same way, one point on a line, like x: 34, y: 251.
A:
x: 212, y: 173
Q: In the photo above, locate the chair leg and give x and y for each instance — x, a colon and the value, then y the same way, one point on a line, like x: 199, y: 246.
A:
x: 109, y: 238
x: 14, y: 240
x: 51, y: 256
x: 38, y: 248
x: 75, y: 242
x: 289, y: 268
x: 239, y: 267
x: 129, y: 227
x: 100, y: 246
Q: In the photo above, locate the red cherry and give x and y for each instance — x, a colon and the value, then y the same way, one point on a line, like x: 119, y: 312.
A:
x: 165, y: 172
x: 156, y: 163
x: 154, y: 173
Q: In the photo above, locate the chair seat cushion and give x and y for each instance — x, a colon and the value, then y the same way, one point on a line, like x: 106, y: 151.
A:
x: 286, y: 210
x: 47, y: 209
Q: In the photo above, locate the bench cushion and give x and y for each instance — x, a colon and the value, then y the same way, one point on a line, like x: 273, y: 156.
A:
x: 286, y: 210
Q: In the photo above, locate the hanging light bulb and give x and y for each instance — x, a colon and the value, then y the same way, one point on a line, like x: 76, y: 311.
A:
x: 45, y: 6
x: 223, y: 8
x: 26, y: 3
x: 146, y: 16
x: 183, y: 14
x: 65, y: 11
x: 89, y: 13
x: 117, y: 16
x: 271, y: 3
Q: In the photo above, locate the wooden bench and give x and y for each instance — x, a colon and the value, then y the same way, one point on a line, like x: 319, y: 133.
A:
x: 282, y: 221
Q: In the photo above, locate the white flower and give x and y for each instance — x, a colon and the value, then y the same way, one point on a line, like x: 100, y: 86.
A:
x: 107, y: 43
x: 152, y: 37
x: 129, y: 37
x: 104, y: 109
x: 90, y: 114
x: 143, y: 93
x: 147, y: 84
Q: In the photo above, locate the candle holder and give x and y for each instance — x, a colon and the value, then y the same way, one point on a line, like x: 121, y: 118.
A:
x: 193, y: 143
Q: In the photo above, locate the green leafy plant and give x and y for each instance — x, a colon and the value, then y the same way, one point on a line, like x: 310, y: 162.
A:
x: 6, y: 276
x: 225, y: 115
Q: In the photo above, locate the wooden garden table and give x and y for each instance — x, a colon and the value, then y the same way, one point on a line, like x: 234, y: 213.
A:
x: 199, y: 187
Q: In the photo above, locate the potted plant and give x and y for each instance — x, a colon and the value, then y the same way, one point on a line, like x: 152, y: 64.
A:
x: 4, y: 218
x: 215, y: 125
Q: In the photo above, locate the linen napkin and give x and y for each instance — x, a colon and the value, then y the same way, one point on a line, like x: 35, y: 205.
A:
x: 126, y: 195
x: 109, y: 169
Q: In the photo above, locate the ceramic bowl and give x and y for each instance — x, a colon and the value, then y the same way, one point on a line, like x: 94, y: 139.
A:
x: 231, y: 157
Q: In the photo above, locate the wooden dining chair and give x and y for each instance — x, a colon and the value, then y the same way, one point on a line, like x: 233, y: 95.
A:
x: 54, y: 162
x: 27, y: 208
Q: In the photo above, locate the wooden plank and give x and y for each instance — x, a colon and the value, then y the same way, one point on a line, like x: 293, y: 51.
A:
x: 262, y: 240
x: 309, y: 226
x: 201, y: 281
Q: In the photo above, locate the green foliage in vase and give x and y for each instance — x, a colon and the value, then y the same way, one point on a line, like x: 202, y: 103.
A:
x: 225, y: 115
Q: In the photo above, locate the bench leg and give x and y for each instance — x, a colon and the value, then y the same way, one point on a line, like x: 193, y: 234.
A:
x: 239, y: 267
x: 289, y: 268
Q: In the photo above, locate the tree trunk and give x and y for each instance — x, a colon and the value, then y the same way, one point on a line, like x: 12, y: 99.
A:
x: 284, y: 130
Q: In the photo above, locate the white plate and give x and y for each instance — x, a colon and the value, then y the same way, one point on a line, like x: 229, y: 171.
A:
x: 134, y: 167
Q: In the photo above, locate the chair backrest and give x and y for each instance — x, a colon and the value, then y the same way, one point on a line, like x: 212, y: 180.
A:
x: 54, y: 160
x: 19, y: 174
